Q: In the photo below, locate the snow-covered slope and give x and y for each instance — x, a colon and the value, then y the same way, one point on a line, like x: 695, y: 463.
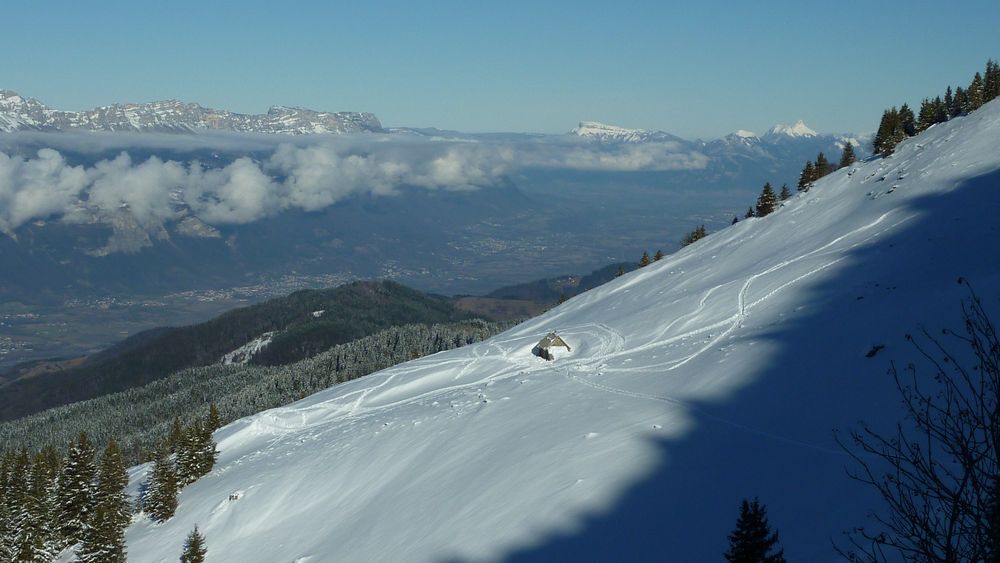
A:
x: 715, y: 374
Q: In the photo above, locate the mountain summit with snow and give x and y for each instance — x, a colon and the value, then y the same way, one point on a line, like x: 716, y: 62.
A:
x: 18, y: 113
x: 800, y: 129
x: 716, y: 374
x: 605, y: 133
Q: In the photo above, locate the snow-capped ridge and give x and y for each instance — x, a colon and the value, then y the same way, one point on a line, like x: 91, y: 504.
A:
x: 18, y: 113
x: 606, y: 133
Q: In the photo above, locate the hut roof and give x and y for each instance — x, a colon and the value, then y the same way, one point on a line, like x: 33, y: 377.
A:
x: 553, y: 339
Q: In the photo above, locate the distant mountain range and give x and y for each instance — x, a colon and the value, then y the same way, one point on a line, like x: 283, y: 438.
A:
x: 779, y: 134
x: 19, y: 113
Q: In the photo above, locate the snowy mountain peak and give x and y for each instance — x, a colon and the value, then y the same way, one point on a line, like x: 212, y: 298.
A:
x: 613, y: 133
x: 606, y: 133
x: 744, y: 134
x: 18, y: 113
x: 800, y: 129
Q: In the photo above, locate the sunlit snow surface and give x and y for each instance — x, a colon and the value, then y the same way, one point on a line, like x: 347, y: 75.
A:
x: 715, y: 374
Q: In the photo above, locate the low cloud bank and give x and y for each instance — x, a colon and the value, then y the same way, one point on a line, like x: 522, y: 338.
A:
x: 308, y: 173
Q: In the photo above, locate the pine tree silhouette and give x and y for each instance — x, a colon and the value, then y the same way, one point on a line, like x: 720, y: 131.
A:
x: 752, y: 541
x: 785, y: 193
x: 847, y: 157
x: 767, y: 201
x: 806, y: 177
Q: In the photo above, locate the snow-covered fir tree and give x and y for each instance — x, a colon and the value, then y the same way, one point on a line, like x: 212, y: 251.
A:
x: 76, y: 490
x: 194, y: 548
x: 160, y: 501
x: 104, y: 539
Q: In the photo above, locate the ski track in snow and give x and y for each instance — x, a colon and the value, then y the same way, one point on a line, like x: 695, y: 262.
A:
x: 611, y: 345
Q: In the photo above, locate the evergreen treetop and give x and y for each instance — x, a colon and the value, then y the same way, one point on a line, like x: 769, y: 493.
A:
x: 194, y: 548
x: 767, y: 202
x: 907, y: 120
x: 806, y: 177
x: 975, y: 93
x: 644, y: 261
x: 785, y: 192
x: 847, y: 157
x: 991, y: 81
x: 752, y: 541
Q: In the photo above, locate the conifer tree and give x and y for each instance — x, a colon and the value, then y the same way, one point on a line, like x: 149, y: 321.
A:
x: 975, y: 93
x: 104, y: 540
x: 695, y: 235
x: 76, y: 490
x: 806, y: 177
x: 991, y: 81
x: 214, y: 420
x: 749, y: 213
x: 927, y: 115
x: 907, y: 121
x: 949, y: 98
x: 752, y: 541
x: 890, y: 132
x: 785, y: 192
x: 847, y: 157
x: 620, y: 272
x: 822, y: 167
x: 940, y: 110
x: 960, y: 103
x: 644, y: 261
x: 102, y: 543
x: 175, y: 436
x: 15, y: 518
x: 658, y: 256
x: 736, y: 219
x: 767, y: 202
x: 42, y: 542
x: 194, y: 548
x: 161, y: 495
x: 882, y: 133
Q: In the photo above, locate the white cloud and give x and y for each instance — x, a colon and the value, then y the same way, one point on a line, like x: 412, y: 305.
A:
x: 308, y: 173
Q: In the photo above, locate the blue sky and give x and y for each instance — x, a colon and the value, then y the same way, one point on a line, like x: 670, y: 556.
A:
x: 696, y: 69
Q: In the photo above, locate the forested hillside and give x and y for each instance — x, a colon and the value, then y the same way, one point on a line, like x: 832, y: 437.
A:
x: 140, y: 417
x: 306, y: 323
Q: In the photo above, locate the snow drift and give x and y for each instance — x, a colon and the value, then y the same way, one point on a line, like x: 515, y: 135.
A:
x: 715, y: 374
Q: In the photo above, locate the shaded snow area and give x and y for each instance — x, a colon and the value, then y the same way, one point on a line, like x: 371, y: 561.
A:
x: 245, y: 353
x: 715, y: 374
